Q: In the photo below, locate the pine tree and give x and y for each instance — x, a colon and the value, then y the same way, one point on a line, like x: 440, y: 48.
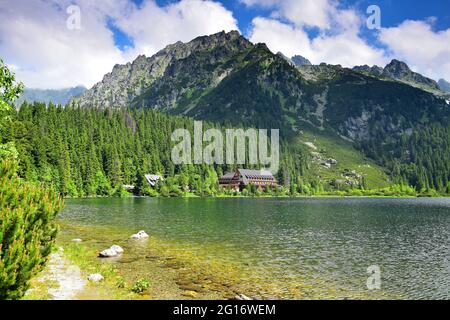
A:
x: 27, y: 230
x: 27, y: 227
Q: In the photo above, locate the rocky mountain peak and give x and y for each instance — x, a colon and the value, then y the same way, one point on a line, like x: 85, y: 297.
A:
x: 400, y: 71
x: 283, y: 56
x: 397, y: 69
x: 375, y: 70
x: 126, y: 82
x: 296, y: 60
x: 300, y: 61
x: 444, y: 85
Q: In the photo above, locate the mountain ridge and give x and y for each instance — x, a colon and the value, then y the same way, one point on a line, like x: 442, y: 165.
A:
x: 126, y: 82
x: 56, y: 96
x: 366, y: 123
x: 225, y: 77
x: 444, y: 85
x: 400, y: 71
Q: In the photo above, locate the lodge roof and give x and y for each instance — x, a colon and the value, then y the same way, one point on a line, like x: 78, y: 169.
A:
x: 249, y: 175
x: 229, y: 175
x: 256, y: 173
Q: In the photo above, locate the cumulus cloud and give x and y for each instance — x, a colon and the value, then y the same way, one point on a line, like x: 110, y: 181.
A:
x: 35, y: 40
x: 34, y: 37
x: 281, y: 37
x: 337, y: 42
x: 430, y: 56
x: 317, y: 13
x: 153, y: 27
x: 44, y: 53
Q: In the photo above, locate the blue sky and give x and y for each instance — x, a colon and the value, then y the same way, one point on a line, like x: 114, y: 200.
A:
x: 44, y: 53
x: 394, y: 12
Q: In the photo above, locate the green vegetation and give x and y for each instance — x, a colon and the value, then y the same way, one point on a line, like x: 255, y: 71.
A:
x: 328, y: 145
x: 140, y: 286
x: 27, y: 230
x: 89, y: 152
x: 420, y: 159
x: 27, y: 227
x: 9, y: 91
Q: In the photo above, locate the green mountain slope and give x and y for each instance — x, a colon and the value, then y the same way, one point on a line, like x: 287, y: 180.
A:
x: 350, y: 168
x: 399, y: 71
x: 225, y: 78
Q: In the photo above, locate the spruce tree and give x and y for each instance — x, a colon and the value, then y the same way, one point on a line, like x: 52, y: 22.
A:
x: 27, y: 212
x: 27, y: 230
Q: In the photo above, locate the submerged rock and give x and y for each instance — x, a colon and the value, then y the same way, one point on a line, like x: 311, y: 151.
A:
x: 243, y: 297
x: 143, y: 234
x: 77, y: 240
x: 108, y: 253
x: 113, y: 251
x: 117, y: 248
x: 140, y: 235
x: 96, y: 277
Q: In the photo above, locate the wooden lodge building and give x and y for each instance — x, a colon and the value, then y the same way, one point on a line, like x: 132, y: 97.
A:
x: 242, y: 177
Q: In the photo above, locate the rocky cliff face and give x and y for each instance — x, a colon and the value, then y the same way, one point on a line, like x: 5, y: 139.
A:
x: 400, y: 71
x: 125, y: 83
x: 444, y: 85
x: 226, y: 78
x: 300, y: 61
x: 375, y: 70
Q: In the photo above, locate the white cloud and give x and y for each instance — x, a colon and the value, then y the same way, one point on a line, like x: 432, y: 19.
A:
x: 340, y: 46
x: 346, y: 49
x: 281, y: 37
x: 46, y: 54
x: 153, y: 27
x: 35, y: 38
x: 317, y: 13
x: 415, y: 42
x: 261, y: 3
x: 35, y: 41
x: 339, y: 42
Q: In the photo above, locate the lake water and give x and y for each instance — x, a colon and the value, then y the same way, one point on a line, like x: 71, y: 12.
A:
x: 302, y: 248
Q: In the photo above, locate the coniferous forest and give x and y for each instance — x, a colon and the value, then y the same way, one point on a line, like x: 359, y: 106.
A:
x: 27, y: 210
x: 342, y: 133
x: 421, y: 159
x: 90, y: 152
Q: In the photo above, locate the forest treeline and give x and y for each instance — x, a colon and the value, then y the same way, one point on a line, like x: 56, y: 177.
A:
x: 27, y: 211
x: 420, y: 158
x: 90, y: 152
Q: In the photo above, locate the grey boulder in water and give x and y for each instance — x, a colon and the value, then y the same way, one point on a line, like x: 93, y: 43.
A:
x: 114, y: 251
x: 96, y: 277
x: 140, y: 235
